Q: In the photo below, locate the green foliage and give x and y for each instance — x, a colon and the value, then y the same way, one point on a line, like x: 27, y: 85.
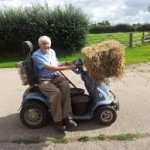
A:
x: 144, y: 27
x: 67, y: 26
x: 122, y: 28
x: 71, y: 26
x: 105, y: 27
x: 100, y: 29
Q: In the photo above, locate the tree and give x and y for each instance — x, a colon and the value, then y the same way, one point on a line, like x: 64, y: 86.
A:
x: 104, y: 23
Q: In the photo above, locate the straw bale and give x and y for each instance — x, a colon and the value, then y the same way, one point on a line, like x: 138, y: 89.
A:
x: 104, y: 60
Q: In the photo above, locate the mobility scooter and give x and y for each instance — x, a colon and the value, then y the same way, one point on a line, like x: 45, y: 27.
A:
x: 100, y: 103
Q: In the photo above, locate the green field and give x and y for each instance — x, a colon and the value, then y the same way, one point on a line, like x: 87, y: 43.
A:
x: 132, y: 55
x: 96, y: 38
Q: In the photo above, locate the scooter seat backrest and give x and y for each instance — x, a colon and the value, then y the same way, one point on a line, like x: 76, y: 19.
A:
x: 31, y: 71
x: 26, y: 68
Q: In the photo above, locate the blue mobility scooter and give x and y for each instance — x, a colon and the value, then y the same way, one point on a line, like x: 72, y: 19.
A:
x: 99, y: 103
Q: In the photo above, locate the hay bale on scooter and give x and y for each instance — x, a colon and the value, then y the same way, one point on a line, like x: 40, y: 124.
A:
x: 104, y: 60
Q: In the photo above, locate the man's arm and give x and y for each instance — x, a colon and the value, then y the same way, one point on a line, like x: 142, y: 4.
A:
x: 67, y: 63
x: 59, y: 68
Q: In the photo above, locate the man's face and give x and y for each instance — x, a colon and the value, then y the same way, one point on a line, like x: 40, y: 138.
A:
x: 45, y: 45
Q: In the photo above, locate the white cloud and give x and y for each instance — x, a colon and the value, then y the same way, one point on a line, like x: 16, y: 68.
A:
x: 108, y: 12
x: 114, y: 11
x: 10, y: 3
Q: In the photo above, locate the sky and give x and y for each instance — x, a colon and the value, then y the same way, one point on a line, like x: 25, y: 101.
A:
x: 114, y: 11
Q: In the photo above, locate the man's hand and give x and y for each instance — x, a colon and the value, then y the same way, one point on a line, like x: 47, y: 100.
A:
x: 67, y: 63
x: 73, y: 66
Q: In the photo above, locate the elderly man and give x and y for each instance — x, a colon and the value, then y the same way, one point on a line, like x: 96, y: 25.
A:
x: 52, y: 84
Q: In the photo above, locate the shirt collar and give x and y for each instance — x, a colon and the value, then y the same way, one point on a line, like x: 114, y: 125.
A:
x: 44, y: 52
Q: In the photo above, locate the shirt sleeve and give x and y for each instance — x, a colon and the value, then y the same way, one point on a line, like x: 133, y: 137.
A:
x: 39, y: 62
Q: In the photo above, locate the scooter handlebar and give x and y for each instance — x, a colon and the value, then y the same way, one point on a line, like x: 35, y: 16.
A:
x: 78, y: 62
x: 76, y: 71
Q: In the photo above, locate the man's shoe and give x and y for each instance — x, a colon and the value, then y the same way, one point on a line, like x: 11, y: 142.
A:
x: 70, y: 122
x: 60, y: 126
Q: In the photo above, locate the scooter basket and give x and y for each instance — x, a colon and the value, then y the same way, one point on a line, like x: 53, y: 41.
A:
x: 80, y: 104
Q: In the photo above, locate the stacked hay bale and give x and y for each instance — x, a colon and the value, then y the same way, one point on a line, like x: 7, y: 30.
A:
x: 104, y: 60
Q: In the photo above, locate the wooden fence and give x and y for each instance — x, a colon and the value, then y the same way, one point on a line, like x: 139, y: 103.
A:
x: 135, y: 39
x: 131, y: 39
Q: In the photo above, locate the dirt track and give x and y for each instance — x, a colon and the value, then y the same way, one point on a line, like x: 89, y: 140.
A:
x: 132, y: 91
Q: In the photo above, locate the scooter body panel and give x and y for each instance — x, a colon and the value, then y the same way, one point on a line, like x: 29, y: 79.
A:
x: 35, y: 96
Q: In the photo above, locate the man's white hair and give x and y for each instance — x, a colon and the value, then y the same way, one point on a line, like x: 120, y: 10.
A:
x: 44, y: 38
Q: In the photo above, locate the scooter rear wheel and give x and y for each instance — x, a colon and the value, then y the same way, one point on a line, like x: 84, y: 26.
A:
x: 106, y: 115
x: 33, y: 115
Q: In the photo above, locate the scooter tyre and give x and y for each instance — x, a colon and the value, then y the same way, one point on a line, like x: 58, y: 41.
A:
x: 38, y: 108
x: 106, y: 115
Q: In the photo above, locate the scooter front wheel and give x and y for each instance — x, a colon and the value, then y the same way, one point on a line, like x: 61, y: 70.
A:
x: 106, y: 115
x: 33, y: 115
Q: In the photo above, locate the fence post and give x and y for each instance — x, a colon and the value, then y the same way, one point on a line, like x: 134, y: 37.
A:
x: 143, y: 37
x: 131, y: 39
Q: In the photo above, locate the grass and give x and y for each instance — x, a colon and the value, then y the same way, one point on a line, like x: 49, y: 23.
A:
x: 28, y: 141
x: 84, y: 139
x: 9, y: 62
x: 101, y: 137
x: 120, y: 137
x: 137, y: 54
x: 125, y: 137
x: 60, y: 140
x: 96, y: 38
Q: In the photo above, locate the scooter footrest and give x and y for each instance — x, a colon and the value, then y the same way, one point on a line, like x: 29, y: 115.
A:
x: 76, y: 91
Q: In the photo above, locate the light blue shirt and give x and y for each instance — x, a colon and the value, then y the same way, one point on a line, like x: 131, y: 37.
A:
x: 41, y: 59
